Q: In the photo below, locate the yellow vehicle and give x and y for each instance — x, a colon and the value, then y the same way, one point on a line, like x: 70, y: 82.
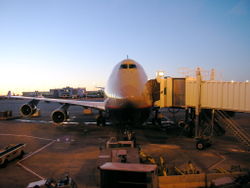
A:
x: 10, y: 153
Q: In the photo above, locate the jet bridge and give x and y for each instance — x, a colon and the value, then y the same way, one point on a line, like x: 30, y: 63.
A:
x: 207, y: 94
x: 195, y: 95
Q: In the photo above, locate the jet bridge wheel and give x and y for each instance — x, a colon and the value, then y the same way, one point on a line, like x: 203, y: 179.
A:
x: 200, y: 145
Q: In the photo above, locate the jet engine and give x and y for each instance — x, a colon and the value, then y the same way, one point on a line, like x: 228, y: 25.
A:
x: 28, y: 109
x: 60, y: 115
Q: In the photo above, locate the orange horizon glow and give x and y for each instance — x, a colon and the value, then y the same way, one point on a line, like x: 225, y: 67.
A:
x: 19, y: 91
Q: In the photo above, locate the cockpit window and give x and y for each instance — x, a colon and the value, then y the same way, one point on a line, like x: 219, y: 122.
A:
x: 123, y: 66
x: 132, y: 66
x: 128, y: 66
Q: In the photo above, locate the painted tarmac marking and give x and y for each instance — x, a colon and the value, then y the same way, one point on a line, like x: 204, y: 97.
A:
x: 26, y: 136
x: 30, y: 171
x: 69, y: 122
x: 33, y: 153
x: 32, y: 121
x: 37, y: 151
x: 223, y: 158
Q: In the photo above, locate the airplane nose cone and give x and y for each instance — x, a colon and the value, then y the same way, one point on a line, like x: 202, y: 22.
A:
x: 129, y: 91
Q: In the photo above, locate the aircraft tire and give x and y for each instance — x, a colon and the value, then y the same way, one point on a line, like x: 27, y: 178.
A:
x: 100, y: 121
x: 159, y: 121
x: 103, y: 121
x: 21, y: 155
x: 4, y: 164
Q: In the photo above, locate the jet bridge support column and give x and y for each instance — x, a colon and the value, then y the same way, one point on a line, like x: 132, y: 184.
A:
x: 201, y: 141
x: 198, y: 102
x: 212, y: 123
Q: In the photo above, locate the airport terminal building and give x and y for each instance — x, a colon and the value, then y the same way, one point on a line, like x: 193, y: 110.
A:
x: 67, y: 92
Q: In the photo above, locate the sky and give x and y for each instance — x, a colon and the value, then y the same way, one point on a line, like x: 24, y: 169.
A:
x: 56, y: 43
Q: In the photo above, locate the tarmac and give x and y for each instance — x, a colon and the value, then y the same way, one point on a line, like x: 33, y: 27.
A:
x: 73, y: 148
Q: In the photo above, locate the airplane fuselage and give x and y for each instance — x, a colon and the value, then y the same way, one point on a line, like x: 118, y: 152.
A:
x: 128, y: 100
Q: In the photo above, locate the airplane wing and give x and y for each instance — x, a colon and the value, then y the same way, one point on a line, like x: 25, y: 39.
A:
x: 88, y: 104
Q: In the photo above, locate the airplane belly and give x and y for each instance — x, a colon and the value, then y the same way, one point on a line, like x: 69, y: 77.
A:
x: 122, y: 111
x: 130, y: 117
x: 131, y: 102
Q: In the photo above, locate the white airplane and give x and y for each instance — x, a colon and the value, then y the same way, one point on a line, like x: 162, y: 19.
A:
x: 128, y: 99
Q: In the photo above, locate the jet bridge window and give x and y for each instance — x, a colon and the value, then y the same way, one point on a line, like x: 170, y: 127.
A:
x: 123, y: 66
x: 132, y: 66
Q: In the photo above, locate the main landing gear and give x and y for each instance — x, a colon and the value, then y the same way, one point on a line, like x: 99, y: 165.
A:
x: 157, y: 118
x: 100, y: 119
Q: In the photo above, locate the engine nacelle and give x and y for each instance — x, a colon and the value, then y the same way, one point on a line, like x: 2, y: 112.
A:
x: 59, y: 115
x: 28, y: 109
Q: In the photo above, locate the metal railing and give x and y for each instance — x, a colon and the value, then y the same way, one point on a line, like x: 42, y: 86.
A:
x: 240, y: 134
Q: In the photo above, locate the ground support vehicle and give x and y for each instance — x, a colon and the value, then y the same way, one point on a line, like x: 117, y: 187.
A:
x: 65, y: 182
x: 10, y: 153
x: 119, y: 165
x: 118, y: 151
